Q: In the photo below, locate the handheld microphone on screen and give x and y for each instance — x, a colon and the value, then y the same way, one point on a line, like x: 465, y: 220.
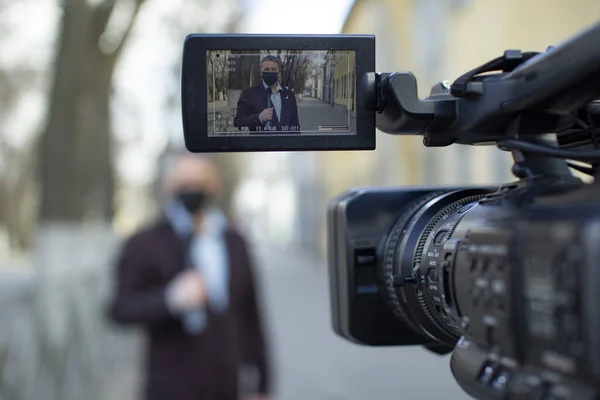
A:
x: 269, y: 105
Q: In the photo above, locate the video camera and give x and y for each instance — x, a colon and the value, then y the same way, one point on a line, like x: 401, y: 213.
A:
x: 504, y: 277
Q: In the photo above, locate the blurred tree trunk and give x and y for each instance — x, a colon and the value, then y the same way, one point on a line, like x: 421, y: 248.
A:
x: 75, y: 161
x: 74, y: 241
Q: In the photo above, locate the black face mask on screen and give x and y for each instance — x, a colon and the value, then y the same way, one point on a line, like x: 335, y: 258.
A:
x: 269, y: 77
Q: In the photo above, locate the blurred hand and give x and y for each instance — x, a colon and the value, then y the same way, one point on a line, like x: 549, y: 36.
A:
x: 190, y: 289
x: 266, y: 114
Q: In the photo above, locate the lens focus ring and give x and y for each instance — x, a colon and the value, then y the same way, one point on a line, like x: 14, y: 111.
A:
x: 446, y: 214
x: 389, y: 256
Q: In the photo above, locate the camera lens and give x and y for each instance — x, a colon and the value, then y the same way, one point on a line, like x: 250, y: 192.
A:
x: 416, y: 245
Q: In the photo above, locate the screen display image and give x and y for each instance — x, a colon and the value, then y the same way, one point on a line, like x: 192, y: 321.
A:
x: 281, y: 92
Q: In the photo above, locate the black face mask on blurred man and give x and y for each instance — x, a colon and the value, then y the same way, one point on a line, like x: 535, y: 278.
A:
x: 193, y: 200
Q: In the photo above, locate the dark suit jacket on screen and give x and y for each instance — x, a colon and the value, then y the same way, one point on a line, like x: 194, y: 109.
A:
x: 254, y: 100
x: 181, y: 366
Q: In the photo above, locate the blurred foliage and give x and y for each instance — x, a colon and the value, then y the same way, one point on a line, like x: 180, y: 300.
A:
x: 16, y: 181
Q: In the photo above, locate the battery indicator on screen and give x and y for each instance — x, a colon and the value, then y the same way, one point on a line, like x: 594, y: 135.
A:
x: 333, y: 127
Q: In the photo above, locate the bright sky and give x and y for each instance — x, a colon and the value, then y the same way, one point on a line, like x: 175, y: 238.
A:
x: 296, y: 16
x: 16, y: 52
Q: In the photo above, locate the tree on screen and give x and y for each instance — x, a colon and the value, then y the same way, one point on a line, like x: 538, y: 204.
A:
x: 244, y: 69
x: 296, y: 68
x: 218, y: 77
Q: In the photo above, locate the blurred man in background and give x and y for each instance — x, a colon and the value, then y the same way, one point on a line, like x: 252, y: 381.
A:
x: 188, y: 281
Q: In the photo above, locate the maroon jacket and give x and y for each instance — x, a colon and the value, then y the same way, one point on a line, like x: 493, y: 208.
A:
x: 181, y: 366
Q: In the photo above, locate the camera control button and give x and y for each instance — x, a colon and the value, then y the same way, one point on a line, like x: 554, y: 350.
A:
x: 501, y: 380
x: 486, y: 374
x: 365, y: 257
x: 365, y: 260
x: 440, y: 237
x: 433, y: 274
x: 498, y: 287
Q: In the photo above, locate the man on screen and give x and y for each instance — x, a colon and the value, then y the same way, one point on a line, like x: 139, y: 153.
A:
x: 268, y: 107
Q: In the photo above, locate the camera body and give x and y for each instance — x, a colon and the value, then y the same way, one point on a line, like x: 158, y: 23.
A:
x: 504, y: 276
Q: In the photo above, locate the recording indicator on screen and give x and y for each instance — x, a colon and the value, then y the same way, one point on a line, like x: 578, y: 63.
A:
x: 281, y: 92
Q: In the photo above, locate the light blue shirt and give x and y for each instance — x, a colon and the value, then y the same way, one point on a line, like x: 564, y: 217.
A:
x: 208, y: 253
x: 275, y: 99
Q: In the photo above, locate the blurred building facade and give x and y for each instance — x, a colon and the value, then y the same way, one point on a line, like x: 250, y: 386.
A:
x: 438, y: 40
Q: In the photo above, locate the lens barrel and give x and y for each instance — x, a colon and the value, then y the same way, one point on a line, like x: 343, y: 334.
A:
x: 415, y: 246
